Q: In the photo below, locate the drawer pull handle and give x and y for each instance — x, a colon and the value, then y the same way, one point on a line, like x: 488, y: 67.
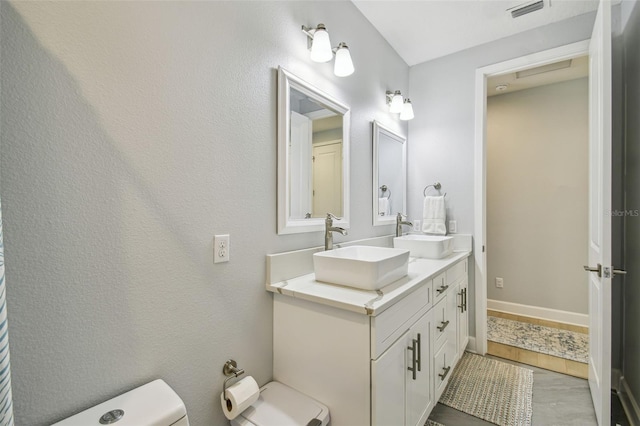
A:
x: 443, y: 326
x: 419, y: 360
x: 464, y: 290
x: 442, y: 288
x: 444, y: 374
x: 413, y: 369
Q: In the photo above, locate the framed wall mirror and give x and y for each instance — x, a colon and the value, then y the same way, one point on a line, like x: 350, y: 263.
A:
x: 389, y: 175
x: 313, y: 156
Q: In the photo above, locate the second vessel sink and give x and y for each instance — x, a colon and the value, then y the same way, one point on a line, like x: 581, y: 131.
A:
x: 426, y: 246
x: 364, y: 267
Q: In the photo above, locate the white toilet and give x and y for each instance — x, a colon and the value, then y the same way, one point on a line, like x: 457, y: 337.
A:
x: 280, y: 405
x: 156, y: 404
x: 152, y: 404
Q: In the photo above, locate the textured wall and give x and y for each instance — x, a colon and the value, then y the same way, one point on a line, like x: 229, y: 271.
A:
x: 442, y: 135
x: 631, y: 40
x: 537, y: 195
x: 132, y: 132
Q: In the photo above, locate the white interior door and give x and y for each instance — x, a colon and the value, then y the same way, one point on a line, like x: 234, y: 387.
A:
x: 599, y: 214
x: 327, y: 179
x: 300, y: 163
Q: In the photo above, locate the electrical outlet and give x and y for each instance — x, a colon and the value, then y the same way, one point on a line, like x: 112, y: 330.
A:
x: 453, y: 226
x: 416, y: 225
x: 499, y: 283
x: 221, y: 248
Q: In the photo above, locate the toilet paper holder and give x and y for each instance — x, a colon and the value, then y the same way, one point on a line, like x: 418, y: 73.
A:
x: 232, y: 371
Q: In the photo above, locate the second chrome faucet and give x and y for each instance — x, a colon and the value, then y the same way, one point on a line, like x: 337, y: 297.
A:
x: 399, y: 223
x: 329, y: 229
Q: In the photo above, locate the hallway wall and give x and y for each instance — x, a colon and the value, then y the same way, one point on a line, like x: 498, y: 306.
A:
x: 537, y: 195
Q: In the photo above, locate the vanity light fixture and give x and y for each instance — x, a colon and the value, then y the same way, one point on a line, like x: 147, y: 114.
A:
x: 399, y: 105
x: 407, y: 110
x: 320, y: 45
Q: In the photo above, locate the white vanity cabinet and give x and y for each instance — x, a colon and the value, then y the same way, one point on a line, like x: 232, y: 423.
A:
x: 401, y: 374
x: 373, y: 367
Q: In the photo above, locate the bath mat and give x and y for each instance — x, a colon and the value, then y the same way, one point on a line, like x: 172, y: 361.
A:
x: 432, y: 423
x: 546, y: 340
x: 494, y: 391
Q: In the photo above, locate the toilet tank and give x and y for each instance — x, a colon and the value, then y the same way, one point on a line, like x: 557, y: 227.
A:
x: 153, y: 404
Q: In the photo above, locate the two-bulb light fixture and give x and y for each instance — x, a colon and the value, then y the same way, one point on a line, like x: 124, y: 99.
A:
x: 321, y: 51
x: 399, y: 105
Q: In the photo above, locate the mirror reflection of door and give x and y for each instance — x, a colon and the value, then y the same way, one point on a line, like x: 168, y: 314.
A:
x: 300, y: 160
x: 327, y: 178
x: 315, y: 159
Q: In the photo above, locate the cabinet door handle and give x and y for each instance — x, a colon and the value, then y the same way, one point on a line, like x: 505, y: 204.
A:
x: 465, y: 300
x: 461, y: 305
x: 445, y: 372
x: 442, y: 288
x: 419, y: 353
x: 443, y: 326
x: 412, y: 348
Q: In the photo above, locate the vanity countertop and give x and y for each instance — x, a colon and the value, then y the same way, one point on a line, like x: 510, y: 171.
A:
x: 362, y: 301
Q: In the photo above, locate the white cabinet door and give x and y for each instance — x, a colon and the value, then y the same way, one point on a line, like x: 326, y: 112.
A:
x: 463, y: 317
x: 419, y: 397
x: 388, y: 384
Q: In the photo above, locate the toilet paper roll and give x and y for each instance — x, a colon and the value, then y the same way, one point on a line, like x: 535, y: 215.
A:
x: 239, y: 397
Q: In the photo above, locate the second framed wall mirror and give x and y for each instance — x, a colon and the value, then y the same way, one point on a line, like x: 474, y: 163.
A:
x: 389, y: 175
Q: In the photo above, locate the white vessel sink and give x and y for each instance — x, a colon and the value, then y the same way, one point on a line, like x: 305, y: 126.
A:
x: 364, y: 267
x: 426, y: 246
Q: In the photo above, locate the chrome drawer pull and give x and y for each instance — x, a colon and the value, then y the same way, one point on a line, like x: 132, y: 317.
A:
x: 419, y: 353
x: 443, y: 326
x: 412, y: 348
x: 443, y: 375
x: 442, y: 288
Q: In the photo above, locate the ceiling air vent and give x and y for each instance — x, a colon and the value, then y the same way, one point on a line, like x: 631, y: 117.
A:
x: 525, y: 8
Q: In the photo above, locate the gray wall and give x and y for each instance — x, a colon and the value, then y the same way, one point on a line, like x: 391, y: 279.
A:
x: 132, y: 132
x: 442, y: 134
x: 537, y: 195
x: 631, y: 42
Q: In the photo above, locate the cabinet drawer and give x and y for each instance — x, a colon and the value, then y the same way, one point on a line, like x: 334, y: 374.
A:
x: 443, y: 364
x: 387, y: 327
x: 456, y: 272
x: 444, y: 324
x: 439, y: 287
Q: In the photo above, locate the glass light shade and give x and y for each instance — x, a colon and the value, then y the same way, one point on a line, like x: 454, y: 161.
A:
x: 321, y: 45
x: 407, y: 111
x: 396, y: 103
x: 343, y: 65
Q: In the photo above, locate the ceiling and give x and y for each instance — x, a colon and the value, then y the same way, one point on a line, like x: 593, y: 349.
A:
x: 557, y: 72
x: 421, y: 30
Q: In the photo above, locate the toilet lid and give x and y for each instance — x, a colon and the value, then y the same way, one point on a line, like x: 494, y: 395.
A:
x: 280, y: 405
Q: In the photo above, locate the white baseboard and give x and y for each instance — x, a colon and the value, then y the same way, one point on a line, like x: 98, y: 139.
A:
x: 629, y: 403
x: 471, y: 346
x: 539, y: 313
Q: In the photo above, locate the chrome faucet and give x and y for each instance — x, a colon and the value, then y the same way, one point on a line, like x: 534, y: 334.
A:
x: 329, y: 229
x: 399, y: 223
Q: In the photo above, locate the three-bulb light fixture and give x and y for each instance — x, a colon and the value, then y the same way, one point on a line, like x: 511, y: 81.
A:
x: 399, y: 105
x: 321, y: 50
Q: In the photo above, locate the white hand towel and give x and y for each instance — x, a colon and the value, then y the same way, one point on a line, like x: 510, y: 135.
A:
x: 434, y: 215
x: 383, y: 206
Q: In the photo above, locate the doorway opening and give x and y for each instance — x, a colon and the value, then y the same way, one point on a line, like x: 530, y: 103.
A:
x: 483, y: 75
x: 537, y: 222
